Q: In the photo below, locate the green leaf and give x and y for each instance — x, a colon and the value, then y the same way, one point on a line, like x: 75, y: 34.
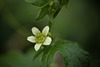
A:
x: 38, y: 3
x: 73, y: 55
x: 50, y: 7
x: 43, y: 12
x: 53, y: 12
x: 56, y: 11
x: 46, y: 50
x: 63, y: 2
x: 66, y: 3
x: 37, y: 54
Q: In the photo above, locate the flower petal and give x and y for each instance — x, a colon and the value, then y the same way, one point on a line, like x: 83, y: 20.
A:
x: 45, y: 30
x: 35, y: 31
x: 31, y: 39
x: 37, y: 46
x: 47, y: 41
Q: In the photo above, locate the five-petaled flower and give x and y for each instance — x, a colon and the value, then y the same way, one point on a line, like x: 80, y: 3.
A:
x: 40, y: 38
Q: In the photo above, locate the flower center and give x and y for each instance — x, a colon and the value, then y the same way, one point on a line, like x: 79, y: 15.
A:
x: 40, y: 38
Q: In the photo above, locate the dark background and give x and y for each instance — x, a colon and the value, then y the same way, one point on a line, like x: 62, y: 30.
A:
x: 80, y: 22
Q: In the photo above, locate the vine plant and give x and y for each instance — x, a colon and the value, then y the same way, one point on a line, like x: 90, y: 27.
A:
x: 74, y: 56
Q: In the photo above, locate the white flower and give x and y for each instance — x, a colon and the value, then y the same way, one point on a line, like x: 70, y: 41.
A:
x: 40, y: 38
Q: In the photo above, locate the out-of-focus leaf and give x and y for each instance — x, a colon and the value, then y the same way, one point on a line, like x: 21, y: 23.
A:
x: 18, y: 59
x: 73, y: 55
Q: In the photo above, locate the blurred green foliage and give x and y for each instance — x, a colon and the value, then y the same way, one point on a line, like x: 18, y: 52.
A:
x: 17, y: 59
x: 79, y: 22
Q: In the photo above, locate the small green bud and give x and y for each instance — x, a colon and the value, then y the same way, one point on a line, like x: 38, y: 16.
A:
x: 51, y: 3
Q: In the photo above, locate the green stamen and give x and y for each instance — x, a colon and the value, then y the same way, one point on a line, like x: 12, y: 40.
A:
x: 40, y: 38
